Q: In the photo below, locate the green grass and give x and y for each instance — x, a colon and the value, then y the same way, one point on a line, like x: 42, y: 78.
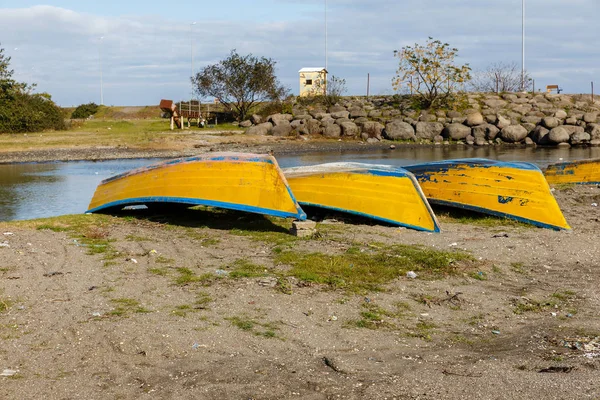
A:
x: 556, y: 301
x: 264, y: 329
x: 423, y: 330
x: 188, y: 277
x: 369, y: 270
x: 164, y: 260
x: 159, y: 271
x: 125, y: 306
x: 458, y: 216
x: 242, y: 268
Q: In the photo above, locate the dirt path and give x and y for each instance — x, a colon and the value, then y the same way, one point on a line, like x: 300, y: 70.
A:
x: 211, y: 305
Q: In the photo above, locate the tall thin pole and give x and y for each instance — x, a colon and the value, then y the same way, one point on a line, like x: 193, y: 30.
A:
x: 101, y: 81
x: 192, y: 58
x: 523, y: 46
x: 325, y: 34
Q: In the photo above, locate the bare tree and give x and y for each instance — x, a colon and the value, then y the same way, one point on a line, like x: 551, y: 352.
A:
x: 500, y: 77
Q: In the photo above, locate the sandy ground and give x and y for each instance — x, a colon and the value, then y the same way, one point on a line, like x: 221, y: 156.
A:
x: 161, y: 315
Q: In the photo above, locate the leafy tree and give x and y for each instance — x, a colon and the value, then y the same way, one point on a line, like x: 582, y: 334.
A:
x: 239, y: 82
x: 8, y: 86
x: 85, y: 110
x: 500, y: 77
x: 429, y: 71
x: 21, y: 110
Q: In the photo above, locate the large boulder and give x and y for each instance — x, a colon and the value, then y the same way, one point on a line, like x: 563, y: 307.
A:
x: 475, y: 119
x: 457, y: 131
x: 540, y: 135
x: 357, y: 112
x: 340, y: 114
x: 336, y: 108
x: 503, y: 122
x: 283, y: 128
x: 372, y: 129
x: 485, y: 131
x: 593, y: 130
x: 590, y: 117
x: 260, y: 129
x: 558, y: 135
x: 399, y: 130
x: 256, y: 119
x: 494, y: 103
x: 428, y: 130
x: 560, y: 114
x: 313, y: 127
x: 550, y: 122
x: 532, y: 119
x: 332, y: 131
x: 349, y: 128
x: 580, y: 137
x: 246, y: 124
x: 513, y: 133
x: 277, y: 119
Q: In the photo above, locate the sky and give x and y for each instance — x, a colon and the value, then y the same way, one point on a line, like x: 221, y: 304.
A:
x: 134, y: 52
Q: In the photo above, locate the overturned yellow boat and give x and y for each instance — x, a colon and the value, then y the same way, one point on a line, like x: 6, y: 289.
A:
x: 582, y: 172
x: 238, y: 181
x: 382, y: 192
x: 515, y: 190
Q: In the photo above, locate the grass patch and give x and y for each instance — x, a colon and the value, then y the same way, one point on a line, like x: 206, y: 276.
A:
x: 125, y: 306
x: 555, y: 301
x: 159, y: 271
x: 4, y: 305
x: 264, y: 329
x: 518, y: 267
x: 367, y: 271
x: 423, y: 330
x: 135, y: 238
x: 164, y: 260
x: 242, y: 268
x: 188, y: 277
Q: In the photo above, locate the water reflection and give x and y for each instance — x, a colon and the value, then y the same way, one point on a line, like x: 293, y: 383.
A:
x: 48, y: 189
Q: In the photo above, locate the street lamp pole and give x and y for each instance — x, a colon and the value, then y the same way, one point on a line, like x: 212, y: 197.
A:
x: 523, y: 46
x: 101, y: 82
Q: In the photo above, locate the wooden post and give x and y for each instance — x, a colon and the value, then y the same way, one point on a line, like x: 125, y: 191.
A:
x: 592, y: 92
x: 172, y: 122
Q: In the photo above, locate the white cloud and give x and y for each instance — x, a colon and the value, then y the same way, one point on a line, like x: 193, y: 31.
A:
x: 146, y: 58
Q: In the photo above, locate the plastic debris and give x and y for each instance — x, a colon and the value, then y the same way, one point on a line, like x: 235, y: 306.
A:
x: 332, y: 318
x: 133, y: 260
x: 453, y: 244
x: 411, y: 274
x: 222, y: 272
x: 96, y: 314
x: 8, y: 372
x: 153, y: 251
x: 594, y: 204
x: 8, y: 233
x: 496, y: 332
x: 554, y: 314
x: 4, y: 244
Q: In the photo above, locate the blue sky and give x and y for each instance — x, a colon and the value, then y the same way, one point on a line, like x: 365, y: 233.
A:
x: 145, y: 53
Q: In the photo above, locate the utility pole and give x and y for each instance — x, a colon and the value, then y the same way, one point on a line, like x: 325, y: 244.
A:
x: 523, y: 46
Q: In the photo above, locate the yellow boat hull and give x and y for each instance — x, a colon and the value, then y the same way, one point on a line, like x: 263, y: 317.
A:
x: 240, y: 181
x: 513, y: 190
x: 384, y: 193
x: 584, y: 172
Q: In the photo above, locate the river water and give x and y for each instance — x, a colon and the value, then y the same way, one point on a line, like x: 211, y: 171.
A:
x: 36, y: 190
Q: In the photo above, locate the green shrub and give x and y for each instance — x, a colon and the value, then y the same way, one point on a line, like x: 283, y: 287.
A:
x: 84, y: 111
x: 25, y: 112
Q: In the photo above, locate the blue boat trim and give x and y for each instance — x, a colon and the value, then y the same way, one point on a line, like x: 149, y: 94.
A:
x: 392, y: 222
x: 301, y: 215
x: 495, y: 213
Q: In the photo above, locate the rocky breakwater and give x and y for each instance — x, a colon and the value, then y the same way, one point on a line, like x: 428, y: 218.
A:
x: 479, y: 119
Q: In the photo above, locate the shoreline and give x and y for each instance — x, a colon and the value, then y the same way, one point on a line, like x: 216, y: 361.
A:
x: 115, y: 153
